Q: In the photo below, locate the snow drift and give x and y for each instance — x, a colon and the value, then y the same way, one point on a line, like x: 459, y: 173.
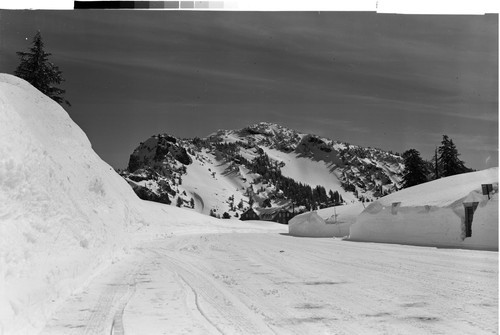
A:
x: 63, y: 210
x: 327, y: 222
x: 64, y: 213
x: 433, y: 214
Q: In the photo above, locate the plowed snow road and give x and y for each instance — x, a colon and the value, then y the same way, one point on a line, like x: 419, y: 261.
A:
x: 276, y: 284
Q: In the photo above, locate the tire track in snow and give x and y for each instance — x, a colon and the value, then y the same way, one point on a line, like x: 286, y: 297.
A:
x: 107, y: 315
x: 266, y: 283
x: 101, y: 312
x: 212, y: 327
x: 117, y: 325
x: 219, y: 305
x: 268, y: 295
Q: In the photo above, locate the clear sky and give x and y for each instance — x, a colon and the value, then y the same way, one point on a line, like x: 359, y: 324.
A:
x: 389, y: 81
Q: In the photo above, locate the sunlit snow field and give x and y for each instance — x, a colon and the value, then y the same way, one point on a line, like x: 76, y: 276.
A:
x: 272, y: 283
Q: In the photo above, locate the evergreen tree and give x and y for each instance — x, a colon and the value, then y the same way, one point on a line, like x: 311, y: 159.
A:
x: 332, y: 197
x: 335, y: 197
x: 448, y: 159
x: 164, y: 198
x: 415, y: 171
x: 36, y: 69
x: 436, y: 164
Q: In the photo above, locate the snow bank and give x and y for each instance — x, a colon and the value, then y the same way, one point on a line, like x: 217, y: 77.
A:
x: 63, y: 210
x: 433, y: 214
x: 64, y: 213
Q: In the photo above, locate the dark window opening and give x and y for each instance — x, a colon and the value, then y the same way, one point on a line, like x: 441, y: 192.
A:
x: 470, y: 208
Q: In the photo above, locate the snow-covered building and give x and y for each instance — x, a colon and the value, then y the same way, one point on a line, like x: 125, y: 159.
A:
x: 279, y: 214
x: 309, y: 225
x: 326, y: 222
x: 249, y: 214
x: 448, y: 212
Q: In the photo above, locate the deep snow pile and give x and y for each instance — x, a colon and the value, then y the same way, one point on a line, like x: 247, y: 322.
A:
x: 63, y: 210
x: 64, y: 213
x: 326, y: 222
x: 433, y: 214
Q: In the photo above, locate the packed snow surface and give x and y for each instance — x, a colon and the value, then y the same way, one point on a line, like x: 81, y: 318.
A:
x: 269, y: 283
x: 433, y: 214
x: 81, y: 254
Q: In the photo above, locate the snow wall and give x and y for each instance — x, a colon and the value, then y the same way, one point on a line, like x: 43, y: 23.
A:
x: 327, y: 222
x: 433, y: 214
x: 64, y: 212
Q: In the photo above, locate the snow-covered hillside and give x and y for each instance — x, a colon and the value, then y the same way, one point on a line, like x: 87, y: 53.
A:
x: 356, y: 172
x: 229, y: 169
x: 433, y: 214
x: 64, y: 213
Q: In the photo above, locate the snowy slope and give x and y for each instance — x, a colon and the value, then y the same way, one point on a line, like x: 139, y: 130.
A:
x: 64, y: 211
x: 211, y: 184
x: 223, y: 172
x: 315, y: 160
x: 310, y: 172
x: 433, y: 214
x: 65, y: 214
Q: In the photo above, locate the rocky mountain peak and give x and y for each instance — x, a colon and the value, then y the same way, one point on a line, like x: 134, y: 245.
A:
x: 263, y: 163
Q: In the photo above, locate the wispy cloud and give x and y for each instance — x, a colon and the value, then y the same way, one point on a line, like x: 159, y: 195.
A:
x: 389, y: 81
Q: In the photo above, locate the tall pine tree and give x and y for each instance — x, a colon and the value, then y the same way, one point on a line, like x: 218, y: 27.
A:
x: 36, y: 69
x: 415, y: 171
x: 449, y: 162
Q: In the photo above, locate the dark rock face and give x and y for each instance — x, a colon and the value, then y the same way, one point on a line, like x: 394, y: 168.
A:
x: 167, y: 147
x: 157, y: 149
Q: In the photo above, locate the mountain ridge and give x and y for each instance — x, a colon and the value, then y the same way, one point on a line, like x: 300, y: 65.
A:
x: 265, y: 164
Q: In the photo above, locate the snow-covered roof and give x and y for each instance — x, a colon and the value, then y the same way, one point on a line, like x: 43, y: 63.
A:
x: 444, y: 191
x: 271, y: 211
